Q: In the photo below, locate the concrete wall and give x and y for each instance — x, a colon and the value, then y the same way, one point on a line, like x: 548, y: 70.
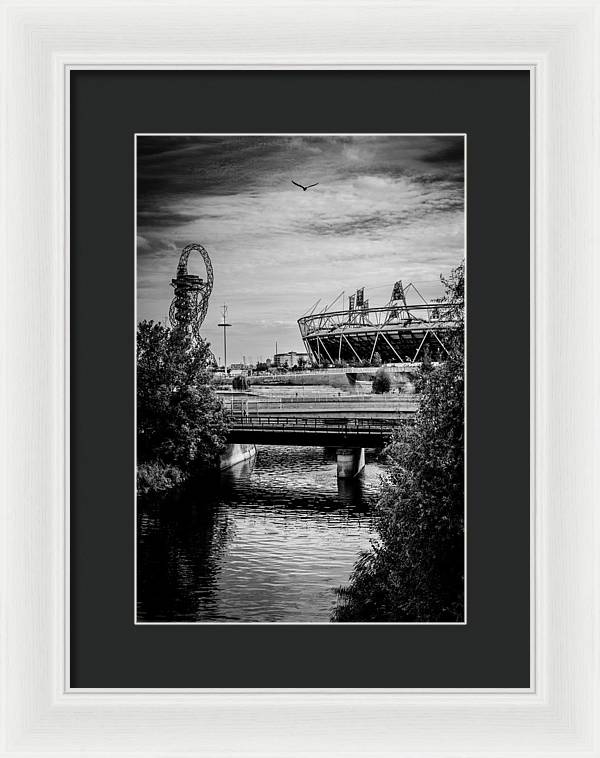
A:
x: 363, y: 406
x: 350, y: 462
x: 236, y: 454
x: 401, y: 376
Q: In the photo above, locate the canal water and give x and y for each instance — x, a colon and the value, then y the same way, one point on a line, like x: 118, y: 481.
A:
x: 268, y: 540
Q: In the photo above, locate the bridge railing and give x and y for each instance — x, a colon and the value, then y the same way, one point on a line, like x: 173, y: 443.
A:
x: 358, y: 398
x: 304, y: 424
x: 253, y: 401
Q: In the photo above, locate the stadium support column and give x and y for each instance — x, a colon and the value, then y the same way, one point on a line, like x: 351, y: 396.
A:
x: 350, y: 462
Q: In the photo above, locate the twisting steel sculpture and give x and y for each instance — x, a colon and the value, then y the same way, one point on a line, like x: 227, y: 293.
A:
x: 190, y: 300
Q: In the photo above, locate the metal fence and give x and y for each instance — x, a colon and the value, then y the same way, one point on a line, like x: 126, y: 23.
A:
x: 303, y: 424
x: 280, y: 401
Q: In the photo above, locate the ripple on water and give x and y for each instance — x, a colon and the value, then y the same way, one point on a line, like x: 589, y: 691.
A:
x: 269, y: 541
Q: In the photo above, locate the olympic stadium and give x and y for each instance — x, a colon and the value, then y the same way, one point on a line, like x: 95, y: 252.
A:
x: 398, y: 332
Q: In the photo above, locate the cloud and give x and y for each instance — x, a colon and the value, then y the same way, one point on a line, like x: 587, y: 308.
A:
x: 452, y: 151
x: 385, y: 208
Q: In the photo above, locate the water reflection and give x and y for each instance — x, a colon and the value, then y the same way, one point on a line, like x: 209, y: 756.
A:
x: 267, y: 540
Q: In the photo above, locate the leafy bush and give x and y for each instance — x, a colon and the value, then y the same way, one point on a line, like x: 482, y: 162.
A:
x: 415, y: 569
x: 381, y: 382
x: 156, y: 478
x: 181, y: 424
x: 239, y: 383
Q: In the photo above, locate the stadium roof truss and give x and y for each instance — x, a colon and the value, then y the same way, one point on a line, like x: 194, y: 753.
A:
x: 398, y: 332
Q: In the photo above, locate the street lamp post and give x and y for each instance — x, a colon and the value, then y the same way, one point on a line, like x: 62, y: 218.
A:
x: 224, y: 324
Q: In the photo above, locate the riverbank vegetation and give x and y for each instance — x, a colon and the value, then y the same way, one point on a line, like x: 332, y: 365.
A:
x: 381, y: 382
x: 181, y: 424
x: 240, y: 383
x: 414, y: 571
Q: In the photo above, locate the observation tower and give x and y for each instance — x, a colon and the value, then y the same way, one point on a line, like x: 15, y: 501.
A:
x: 190, y: 299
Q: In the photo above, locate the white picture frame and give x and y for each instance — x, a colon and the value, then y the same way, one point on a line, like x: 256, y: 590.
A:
x: 559, y: 42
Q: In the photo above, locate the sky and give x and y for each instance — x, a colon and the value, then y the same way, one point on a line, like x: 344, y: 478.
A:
x: 385, y: 208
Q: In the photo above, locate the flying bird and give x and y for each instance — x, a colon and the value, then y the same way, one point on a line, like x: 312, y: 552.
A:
x: 302, y: 187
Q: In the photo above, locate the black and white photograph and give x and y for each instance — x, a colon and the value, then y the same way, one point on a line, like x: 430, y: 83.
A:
x: 300, y: 378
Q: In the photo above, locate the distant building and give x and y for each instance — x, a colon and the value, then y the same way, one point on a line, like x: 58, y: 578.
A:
x: 291, y: 359
x: 239, y: 369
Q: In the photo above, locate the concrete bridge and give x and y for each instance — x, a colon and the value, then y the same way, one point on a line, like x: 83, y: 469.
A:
x: 349, y: 436
x: 348, y: 422
x: 304, y: 430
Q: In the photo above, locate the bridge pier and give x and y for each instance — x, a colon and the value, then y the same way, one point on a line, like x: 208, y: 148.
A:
x: 350, y: 462
x: 236, y: 454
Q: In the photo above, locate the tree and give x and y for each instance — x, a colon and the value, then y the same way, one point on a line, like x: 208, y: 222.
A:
x: 239, y: 382
x: 376, y: 359
x: 381, y: 382
x: 181, y: 424
x: 415, y: 569
x: 426, y: 363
